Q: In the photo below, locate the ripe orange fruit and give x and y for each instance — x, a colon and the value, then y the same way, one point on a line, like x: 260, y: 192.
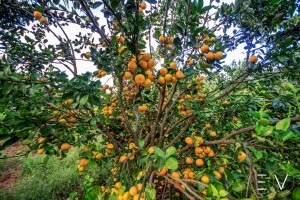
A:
x: 143, y: 64
x: 161, y: 80
x: 109, y: 146
x: 188, y: 140
x: 174, y: 79
x: 199, y: 162
x: 179, y: 75
x: 175, y: 174
x: 121, y: 40
x: 191, y: 175
x: 148, y: 82
x: 133, y: 191
x: 204, y: 48
x: 242, y: 156
x: 234, y: 119
x: 65, y: 147
x: 252, y: 59
x: 210, y: 56
x: 150, y: 150
x: 99, y: 156
x: 43, y: 20
x: 205, y: 179
x: 163, y: 171
x: 207, y: 126
x: 81, y: 169
x: 211, y: 154
x: 140, y: 10
x: 189, y: 160
x: 142, y: 108
x: 168, y: 77
x: 150, y: 63
x: 41, y: 140
x: 198, y: 150
x: 127, y: 75
x: 41, y: 151
x: 171, y: 39
x: 173, y: 65
x: 218, y: 55
x: 201, y: 155
x: 191, y: 62
x: 37, y: 14
x: 143, y: 5
x: 146, y: 57
x: 83, y: 162
x: 200, y: 140
x: 163, y: 71
x: 122, y: 158
x: 197, y: 47
x: 86, y: 149
x: 132, y: 66
x: 118, y: 185
x: 207, y: 150
x: 218, y: 174
x: 140, y: 79
x: 161, y: 39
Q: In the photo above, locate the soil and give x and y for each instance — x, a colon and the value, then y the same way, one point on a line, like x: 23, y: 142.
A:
x: 10, y: 168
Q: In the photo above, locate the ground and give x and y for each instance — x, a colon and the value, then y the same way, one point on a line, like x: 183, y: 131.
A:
x: 10, y: 167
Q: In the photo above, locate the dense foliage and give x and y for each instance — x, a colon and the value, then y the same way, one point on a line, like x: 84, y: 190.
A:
x: 174, y: 118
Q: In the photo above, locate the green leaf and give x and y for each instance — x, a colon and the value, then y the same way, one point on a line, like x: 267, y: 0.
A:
x: 170, y: 151
x: 7, y: 87
x: 97, y: 4
x: 263, y: 130
x: 141, y: 143
x: 296, y: 193
x: 113, y: 197
x: 150, y: 193
x: 283, y: 124
x: 56, y: 2
x: 172, y: 163
x: 223, y: 193
x: 83, y: 100
x: 287, y: 135
x: 212, y: 190
x: 258, y: 154
x: 289, y: 85
x: 282, y: 58
x: 239, y: 186
x: 159, y: 152
x: 142, y: 160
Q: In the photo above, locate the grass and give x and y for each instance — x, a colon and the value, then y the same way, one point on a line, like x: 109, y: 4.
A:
x: 51, y: 178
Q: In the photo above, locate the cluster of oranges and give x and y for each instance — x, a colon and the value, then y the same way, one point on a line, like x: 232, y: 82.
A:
x: 109, y: 110
x: 40, y: 17
x: 168, y: 41
x: 211, y: 55
x: 125, y: 194
x: 96, y: 155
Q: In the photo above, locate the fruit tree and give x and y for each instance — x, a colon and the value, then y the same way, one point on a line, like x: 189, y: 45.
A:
x: 158, y: 99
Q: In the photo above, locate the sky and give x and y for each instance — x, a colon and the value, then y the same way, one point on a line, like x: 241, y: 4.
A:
x: 84, y: 66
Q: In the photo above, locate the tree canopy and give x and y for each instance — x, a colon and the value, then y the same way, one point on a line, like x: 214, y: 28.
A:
x: 177, y: 121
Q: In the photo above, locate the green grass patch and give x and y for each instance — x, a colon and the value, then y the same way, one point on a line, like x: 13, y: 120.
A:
x: 49, y: 178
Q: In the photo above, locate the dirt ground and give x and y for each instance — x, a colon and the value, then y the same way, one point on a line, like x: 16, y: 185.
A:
x: 10, y: 167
